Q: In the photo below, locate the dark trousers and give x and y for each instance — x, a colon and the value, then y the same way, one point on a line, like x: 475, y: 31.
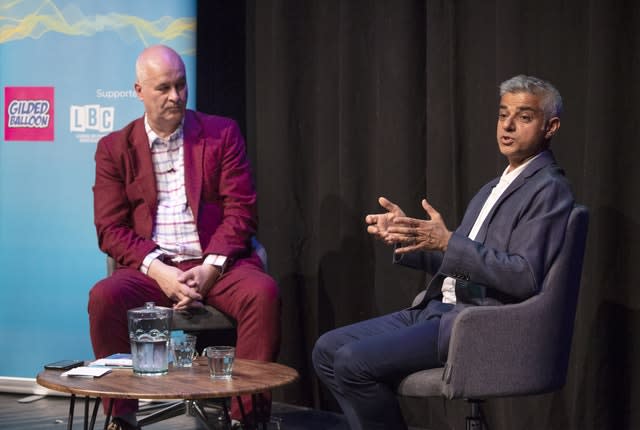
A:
x: 245, y: 292
x: 363, y: 363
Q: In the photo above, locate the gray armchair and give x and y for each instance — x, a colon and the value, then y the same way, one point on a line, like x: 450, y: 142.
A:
x: 512, y: 350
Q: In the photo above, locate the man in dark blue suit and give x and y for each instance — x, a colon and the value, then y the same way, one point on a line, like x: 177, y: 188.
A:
x: 501, y: 252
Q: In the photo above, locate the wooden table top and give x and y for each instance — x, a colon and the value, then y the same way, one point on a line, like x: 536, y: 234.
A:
x: 189, y: 383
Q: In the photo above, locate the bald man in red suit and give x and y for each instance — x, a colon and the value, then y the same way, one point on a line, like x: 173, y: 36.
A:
x: 175, y: 206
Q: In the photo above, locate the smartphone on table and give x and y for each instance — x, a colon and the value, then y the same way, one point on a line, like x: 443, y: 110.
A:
x: 64, y: 364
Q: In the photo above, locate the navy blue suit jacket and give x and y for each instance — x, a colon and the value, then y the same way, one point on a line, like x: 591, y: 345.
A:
x: 513, y: 251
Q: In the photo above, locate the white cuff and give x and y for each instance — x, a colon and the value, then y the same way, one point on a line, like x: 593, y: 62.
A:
x: 216, y: 260
x: 144, y: 267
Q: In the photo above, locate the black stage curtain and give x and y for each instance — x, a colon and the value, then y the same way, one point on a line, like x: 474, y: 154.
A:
x: 350, y: 100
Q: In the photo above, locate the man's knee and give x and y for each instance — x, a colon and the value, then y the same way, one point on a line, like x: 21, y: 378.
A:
x: 117, y: 293
x: 349, y: 366
x: 322, y: 353
x: 264, y: 293
x: 330, y: 355
x: 101, y: 296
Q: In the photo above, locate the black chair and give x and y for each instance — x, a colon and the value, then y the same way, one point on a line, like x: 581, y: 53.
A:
x: 193, y: 321
x: 512, y: 350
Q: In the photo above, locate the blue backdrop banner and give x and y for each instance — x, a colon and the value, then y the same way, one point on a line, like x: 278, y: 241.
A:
x: 67, y: 73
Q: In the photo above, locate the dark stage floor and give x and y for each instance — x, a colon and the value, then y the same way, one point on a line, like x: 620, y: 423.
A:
x: 51, y: 413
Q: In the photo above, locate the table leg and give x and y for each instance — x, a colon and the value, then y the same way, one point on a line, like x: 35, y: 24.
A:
x: 96, y: 406
x: 86, y: 413
x: 254, y: 403
x: 245, y: 421
x: 254, y: 414
x: 72, y: 403
x: 225, y: 411
x: 257, y: 413
x: 108, y: 417
x: 195, y: 408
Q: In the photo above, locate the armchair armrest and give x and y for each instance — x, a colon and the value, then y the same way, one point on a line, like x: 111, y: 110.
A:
x: 506, y: 351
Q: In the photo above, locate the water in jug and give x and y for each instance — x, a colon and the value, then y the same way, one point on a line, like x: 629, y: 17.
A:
x: 149, y: 334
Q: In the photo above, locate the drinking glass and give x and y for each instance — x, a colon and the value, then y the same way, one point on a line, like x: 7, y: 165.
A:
x: 220, y: 360
x: 183, y: 349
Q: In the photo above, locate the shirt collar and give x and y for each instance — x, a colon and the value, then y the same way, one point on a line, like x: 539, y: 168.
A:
x: 176, y: 135
x: 510, y: 176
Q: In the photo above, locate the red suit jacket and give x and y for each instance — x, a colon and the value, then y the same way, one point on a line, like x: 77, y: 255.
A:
x: 218, y: 182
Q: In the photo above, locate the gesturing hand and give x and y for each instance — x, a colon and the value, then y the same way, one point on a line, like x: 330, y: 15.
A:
x: 416, y: 234
x: 378, y: 224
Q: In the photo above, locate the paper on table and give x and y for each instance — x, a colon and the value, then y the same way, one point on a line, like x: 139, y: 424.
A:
x: 112, y: 362
x: 87, y: 372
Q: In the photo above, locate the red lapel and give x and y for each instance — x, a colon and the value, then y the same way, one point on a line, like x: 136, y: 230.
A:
x: 142, y: 165
x: 193, y: 161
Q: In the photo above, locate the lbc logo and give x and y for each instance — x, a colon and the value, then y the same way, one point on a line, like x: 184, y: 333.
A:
x: 91, y: 118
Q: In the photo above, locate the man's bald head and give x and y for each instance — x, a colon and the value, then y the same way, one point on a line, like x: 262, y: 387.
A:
x: 154, y: 57
x: 161, y: 84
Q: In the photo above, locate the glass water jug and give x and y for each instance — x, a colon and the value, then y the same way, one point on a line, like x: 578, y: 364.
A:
x: 149, y: 334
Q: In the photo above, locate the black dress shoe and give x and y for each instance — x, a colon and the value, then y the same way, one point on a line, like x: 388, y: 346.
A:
x: 120, y: 424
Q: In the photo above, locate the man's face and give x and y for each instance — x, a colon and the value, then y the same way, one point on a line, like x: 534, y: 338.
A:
x: 522, y: 131
x: 163, y: 91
